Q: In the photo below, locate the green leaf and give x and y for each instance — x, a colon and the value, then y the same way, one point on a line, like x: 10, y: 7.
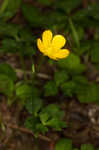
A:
x: 6, y: 85
x: 33, y: 15
x: 95, y: 53
x: 87, y: 147
x: 8, y: 71
x: 33, y: 105
x: 25, y: 91
x: 80, y: 80
x: 34, y: 125
x: 56, y: 124
x: 64, y: 144
x: 8, y: 29
x: 84, y: 47
x: 68, y: 5
x: 88, y: 93
x: 13, y: 46
x: 60, y: 77
x: 9, y: 8
x: 50, y: 88
x: 52, y: 116
x: 9, y: 45
x: 68, y: 88
x: 72, y: 64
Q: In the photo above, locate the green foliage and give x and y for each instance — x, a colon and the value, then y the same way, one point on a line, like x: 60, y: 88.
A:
x: 7, y: 78
x: 16, y: 39
x: 72, y: 64
x: 33, y: 105
x: 9, y: 8
x: 95, y: 53
x: 6, y: 85
x: 68, y: 5
x: 33, y: 16
x: 64, y: 144
x: 44, y: 117
x: 88, y: 93
x: 25, y: 91
x: 45, y: 2
x: 68, y: 88
x: 60, y: 77
x: 87, y: 147
x: 69, y: 77
x: 8, y: 71
x: 8, y: 29
x: 50, y: 89
x: 34, y: 124
x: 51, y: 116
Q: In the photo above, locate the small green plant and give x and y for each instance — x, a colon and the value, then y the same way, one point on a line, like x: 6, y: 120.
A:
x: 72, y: 74
x: 42, y: 118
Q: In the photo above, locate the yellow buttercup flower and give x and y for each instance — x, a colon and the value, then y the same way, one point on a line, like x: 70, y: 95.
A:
x: 51, y: 45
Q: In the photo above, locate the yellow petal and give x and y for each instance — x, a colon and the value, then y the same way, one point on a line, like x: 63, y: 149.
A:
x: 47, y: 38
x: 58, y: 42
x: 63, y: 53
x: 40, y: 45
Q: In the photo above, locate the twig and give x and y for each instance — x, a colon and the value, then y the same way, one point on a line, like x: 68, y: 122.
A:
x: 29, y: 132
x: 40, y: 75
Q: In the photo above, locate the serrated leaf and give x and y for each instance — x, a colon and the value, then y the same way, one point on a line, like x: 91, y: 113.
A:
x: 64, y: 144
x: 7, y: 70
x: 34, y: 125
x: 52, y: 116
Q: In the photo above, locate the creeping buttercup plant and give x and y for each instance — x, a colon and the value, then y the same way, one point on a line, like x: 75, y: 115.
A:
x: 69, y: 72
